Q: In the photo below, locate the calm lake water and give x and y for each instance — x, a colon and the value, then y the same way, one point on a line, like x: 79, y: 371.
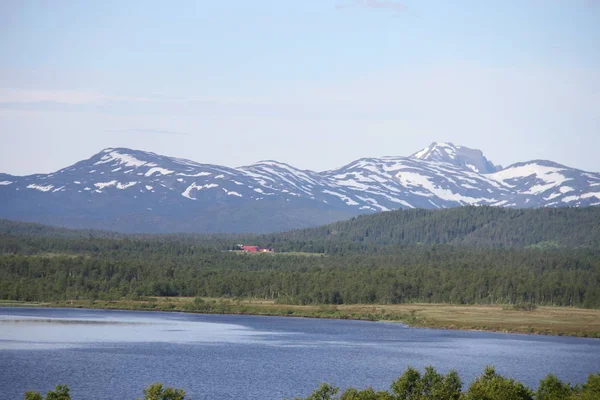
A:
x: 114, y: 354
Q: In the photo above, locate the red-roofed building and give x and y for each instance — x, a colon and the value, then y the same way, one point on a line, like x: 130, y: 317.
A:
x: 250, y: 249
x: 254, y: 249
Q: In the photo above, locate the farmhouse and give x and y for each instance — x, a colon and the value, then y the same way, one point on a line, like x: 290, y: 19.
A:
x: 254, y: 249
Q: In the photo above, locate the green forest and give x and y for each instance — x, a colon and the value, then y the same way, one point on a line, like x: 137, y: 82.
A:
x: 471, y: 255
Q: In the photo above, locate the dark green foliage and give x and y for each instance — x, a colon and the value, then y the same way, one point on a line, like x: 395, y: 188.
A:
x: 61, y: 392
x: 47, y: 268
x: 18, y: 228
x: 593, y: 384
x: 156, y: 391
x: 365, y: 394
x: 431, y: 385
x: 465, y: 226
x: 412, y: 385
x: 469, y: 255
x: 407, y: 386
x: 552, y: 388
x: 324, y: 392
x: 491, y: 386
x: 590, y: 390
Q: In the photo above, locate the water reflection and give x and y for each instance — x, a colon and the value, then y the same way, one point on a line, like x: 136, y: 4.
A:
x: 30, y: 332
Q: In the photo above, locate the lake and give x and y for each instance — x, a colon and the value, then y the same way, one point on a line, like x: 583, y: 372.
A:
x: 115, y: 354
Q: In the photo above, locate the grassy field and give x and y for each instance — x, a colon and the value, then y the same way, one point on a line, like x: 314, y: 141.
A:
x: 284, y: 254
x: 562, y: 321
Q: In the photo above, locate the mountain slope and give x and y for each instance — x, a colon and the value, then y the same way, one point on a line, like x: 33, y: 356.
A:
x: 135, y: 191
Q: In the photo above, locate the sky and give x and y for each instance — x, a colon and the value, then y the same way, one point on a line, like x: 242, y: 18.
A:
x: 314, y: 83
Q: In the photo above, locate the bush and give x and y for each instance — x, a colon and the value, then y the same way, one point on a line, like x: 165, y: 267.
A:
x: 491, y: 386
x: 412, y: 385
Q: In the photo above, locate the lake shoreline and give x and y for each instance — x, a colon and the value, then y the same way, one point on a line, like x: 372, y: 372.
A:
x: 482, y: 318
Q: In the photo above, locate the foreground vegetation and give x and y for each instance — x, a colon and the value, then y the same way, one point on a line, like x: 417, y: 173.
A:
x: 560, y: 321
x: 156, y: 391
x: 432, y: 385
x: 412, y: 385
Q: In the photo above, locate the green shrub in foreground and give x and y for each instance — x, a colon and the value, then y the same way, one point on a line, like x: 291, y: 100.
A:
x: 431, y: 385
x: 412, y: 385
x: 156, y: 391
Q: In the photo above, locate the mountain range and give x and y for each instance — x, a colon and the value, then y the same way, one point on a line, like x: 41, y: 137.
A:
x: 130, y: 190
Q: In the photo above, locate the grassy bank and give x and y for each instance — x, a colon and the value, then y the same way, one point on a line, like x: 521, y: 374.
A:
x: 560, y: 321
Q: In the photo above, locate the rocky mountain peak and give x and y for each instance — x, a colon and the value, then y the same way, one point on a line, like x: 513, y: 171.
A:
x: 457, y: 155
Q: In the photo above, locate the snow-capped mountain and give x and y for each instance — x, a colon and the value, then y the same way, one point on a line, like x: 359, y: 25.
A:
x: 136, y: 191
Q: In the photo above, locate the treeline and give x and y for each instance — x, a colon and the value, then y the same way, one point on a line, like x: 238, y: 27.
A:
x: 48, y: 268
x: 412, y: 385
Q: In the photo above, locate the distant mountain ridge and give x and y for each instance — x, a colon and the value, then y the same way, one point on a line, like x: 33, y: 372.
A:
x: 136, y: 191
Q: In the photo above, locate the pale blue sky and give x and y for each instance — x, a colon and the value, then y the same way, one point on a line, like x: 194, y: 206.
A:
x: 316, y: 84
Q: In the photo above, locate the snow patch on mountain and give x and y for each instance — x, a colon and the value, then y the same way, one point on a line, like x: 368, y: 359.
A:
x: 102, y: 185
x: 119, y: 185
x: 158, y: 171
x: 547, y: 174
x: 472, y: 167
x: 413, y: 179
x: 40, y: 188
x: 195, y: 175
x: 125, y: 159
x: 187, y: 192
x: 125, y: 185
x: 421, y: 154
x: 344, y: 198
x: 536, y: 178
x: 231, y: 193
x: 588, y: 195
x: 569, y: 199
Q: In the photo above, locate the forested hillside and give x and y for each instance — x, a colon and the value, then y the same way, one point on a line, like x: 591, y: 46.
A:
x: 18, y: 228
x: 472, y: 255
x: 468, y: 226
